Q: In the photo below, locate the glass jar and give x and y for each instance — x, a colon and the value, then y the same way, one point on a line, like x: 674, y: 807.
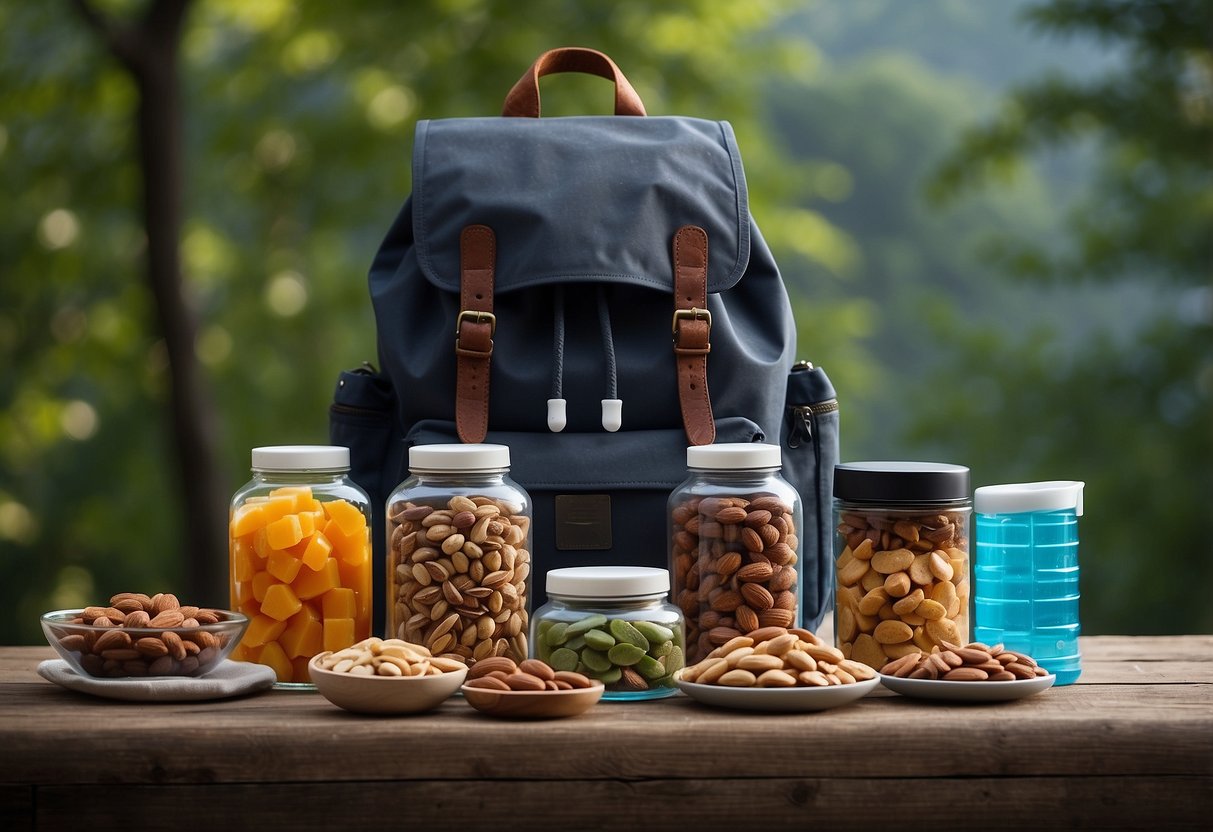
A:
x: 300, y: 558
x: 734, y: 545
x: 902, y: 558
x: 459, y: 553
x: 612, y: 623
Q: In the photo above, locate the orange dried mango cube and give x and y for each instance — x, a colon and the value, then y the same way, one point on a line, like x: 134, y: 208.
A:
x: 262, y: 629
x: 351, y: 547
x: 284, y: 566
x: 338, y: 633
x: 247, y: 519
x: 317, y: 552
x: 339, y: 603
x: 261, y: 582
x: 347, y: 515
x: 249, y: 607
x: 261, y: 544
x: 245, y: 563
x: 298, y: 493
x: 244, y: 653
x: 280, y: 602
x: 284, y: 532
x: 272, y: 655
x: 307, y: 523
x: 276, y: 508
x: 309, y: 584
x: 304, y: 634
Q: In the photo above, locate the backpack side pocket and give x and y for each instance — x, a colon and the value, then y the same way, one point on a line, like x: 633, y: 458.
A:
x: 809, y: 439
x: 362, y: 418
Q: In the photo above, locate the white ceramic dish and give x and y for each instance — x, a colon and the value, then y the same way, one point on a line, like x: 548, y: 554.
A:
x: 385, y: 694
x: 786, y: 700
x: 967, y: 691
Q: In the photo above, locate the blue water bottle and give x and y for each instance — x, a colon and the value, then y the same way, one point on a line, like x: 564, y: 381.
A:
x: 1026, y: 571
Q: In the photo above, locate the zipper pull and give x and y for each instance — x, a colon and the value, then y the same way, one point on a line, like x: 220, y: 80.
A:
x: 802, y: 425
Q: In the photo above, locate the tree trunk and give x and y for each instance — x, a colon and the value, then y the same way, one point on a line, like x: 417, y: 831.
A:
x: 150, y: 51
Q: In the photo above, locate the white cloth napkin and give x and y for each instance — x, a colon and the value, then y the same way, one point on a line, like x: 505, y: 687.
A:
x: 228, y: 679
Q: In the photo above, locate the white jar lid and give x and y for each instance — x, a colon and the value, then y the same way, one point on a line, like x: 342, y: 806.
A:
x: 734, y: 456
x: 608, y: 581
x: 301, y: 458
x: 1019, y: 497
x: 456, y: 457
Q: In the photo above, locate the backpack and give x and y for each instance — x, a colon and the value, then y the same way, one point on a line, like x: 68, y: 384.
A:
x: 593, y: 293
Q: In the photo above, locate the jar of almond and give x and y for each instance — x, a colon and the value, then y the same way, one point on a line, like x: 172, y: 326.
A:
x: 734, y: 544
x: 459, y: 554
x: 902, y: 558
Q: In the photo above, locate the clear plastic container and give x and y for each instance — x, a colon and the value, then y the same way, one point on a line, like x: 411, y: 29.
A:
x: 612, y: 623
x: 300, y: 558
x: 902, y: 558
x: 459, y: 553
x: 1025, y: 572
x: 734, y: 545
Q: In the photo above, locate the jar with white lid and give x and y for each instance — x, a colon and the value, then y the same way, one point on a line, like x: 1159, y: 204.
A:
x: 299, y: 551
x: 612, y: 623
x: 734, y: 544
x: 459, y: 553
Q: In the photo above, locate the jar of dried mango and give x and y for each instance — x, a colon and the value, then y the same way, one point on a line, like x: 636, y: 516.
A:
x: 300, y: 558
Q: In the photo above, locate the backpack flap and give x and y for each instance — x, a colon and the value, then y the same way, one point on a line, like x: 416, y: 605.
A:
x: 577, y: 200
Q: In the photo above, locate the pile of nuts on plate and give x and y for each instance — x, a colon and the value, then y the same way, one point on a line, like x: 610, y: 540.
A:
x: 776, y: 657
x: 974, y: 662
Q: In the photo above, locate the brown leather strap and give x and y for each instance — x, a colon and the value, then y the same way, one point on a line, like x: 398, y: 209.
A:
x: 474, y: 330
x: 692, y: 329
x: 523, y: 98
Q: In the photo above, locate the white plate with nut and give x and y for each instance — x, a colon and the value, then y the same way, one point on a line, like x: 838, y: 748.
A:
x: 786, y: 700
x: 967, y: 691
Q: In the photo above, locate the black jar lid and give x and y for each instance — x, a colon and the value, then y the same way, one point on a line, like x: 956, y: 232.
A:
x: 901, y: 482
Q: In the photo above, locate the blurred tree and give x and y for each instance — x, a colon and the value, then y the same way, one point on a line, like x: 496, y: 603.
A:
x: 1149, y: 219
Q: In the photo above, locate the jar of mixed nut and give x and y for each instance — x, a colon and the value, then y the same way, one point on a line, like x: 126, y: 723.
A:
x: 612, y: 623
x: 902, y: 558
x: 299, y: 552
x: 459, y: 554
x: 734, y: 549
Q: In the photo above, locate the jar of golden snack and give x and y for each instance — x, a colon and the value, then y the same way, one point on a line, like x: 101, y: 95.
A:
x: 734, y: 545
x: 459, y: 553
x: 300, y: 558
x: 902, y: 558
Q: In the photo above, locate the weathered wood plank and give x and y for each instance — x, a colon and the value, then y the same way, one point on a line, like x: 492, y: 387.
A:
x: 1147, y: 648
x: 702, y: 804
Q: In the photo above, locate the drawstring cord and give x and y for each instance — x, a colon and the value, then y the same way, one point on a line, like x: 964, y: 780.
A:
x: 612, y: 406
x: 557, y: 418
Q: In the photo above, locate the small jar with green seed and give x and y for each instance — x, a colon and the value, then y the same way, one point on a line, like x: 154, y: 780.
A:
x: 612, y: 623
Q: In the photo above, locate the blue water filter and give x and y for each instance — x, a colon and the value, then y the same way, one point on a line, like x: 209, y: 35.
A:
x: 1025, y: 592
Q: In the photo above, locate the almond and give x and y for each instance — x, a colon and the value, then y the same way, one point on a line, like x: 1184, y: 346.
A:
x: 165, y: 601
x: 152, y: 647
x: 776, y: 617
x: 138, y: 618
x: 111, y: 639
x: 754, y: 572
x: 758, y: 597
x: 169, y: 617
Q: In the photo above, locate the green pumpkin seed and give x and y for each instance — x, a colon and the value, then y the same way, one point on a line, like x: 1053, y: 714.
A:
x: 674, y: 661
x: 588, y: 623
x: 557, y: 636
x: 599, y: 640
x: 625, y: 655
x: 662, y: 650
x: 575, y: 643
x: 607, y: 677
x: 563, y: 659
x: 595, y: 660
x: 623, y: 631
x: 650, y: 668
x: 655, y: 633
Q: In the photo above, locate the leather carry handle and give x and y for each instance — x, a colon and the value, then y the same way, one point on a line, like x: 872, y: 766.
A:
x: 523, y: 98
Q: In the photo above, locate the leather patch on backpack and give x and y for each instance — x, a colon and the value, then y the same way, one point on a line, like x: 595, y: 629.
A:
x: 583, y: 521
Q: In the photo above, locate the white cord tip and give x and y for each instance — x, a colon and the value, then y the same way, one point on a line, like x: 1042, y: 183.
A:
x: 612, y: 414
x: 556, y: 415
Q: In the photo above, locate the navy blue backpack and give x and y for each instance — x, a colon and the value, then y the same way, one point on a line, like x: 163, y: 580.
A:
x: 593, y: 293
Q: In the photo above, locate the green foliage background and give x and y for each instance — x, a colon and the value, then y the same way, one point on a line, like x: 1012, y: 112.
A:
x: 995, y: 270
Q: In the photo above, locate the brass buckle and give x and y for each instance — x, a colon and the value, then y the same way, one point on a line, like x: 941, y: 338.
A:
x: 692, y: 314
x: 476, y: 317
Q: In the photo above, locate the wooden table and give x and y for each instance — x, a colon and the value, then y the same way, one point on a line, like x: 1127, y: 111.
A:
x: 1131, y: 745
